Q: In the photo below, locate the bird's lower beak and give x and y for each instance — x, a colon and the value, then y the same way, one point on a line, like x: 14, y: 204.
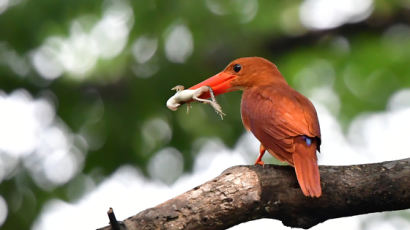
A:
x: 220, y: 83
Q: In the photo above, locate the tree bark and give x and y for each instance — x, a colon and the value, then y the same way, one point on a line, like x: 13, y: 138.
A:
x: 244, y: 193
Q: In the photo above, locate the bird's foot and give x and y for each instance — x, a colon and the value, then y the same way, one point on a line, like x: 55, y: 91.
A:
x: 262, y: 150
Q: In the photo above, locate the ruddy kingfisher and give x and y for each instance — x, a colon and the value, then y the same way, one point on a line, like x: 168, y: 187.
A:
x: 283, y: 120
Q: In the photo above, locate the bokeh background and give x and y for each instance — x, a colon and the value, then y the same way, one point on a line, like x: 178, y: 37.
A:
x: 83, y: 86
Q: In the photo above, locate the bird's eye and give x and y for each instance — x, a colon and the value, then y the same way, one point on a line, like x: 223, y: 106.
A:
x: 237, y: 68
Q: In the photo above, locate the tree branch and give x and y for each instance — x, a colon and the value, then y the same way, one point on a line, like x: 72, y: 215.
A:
x: 244, y: 193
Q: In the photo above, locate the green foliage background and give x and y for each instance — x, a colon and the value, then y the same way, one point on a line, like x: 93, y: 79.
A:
x: 378, y: 65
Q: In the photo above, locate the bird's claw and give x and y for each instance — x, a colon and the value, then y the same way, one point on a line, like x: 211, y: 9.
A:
x: 260, y: 163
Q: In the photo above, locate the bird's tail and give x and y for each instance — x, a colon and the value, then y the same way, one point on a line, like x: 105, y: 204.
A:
x: 305, y: 163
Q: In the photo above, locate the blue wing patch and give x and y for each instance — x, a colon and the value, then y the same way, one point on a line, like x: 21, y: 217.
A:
x: 308, y: 140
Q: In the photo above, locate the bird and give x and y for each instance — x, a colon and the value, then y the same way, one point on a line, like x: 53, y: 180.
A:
x: 283, y: 120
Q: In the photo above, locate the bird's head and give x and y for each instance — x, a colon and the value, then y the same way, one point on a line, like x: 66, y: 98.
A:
x: 243, y: 73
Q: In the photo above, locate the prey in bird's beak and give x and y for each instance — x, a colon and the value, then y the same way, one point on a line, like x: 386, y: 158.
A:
x: 215, y: 85
x: 220, y: 83
x: 183, y: 96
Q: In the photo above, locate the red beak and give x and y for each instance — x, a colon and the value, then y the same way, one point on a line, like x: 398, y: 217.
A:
x: 220, y: 83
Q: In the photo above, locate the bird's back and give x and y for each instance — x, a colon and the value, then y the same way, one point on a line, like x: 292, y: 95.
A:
x: 286, y: 124
x: 278, y: 113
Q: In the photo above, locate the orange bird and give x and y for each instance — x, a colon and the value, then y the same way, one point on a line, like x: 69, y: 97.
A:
x: 283, y: 120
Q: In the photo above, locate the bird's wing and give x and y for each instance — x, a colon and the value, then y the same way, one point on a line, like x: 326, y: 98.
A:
x: 277, y: 115
x: 310, y: 114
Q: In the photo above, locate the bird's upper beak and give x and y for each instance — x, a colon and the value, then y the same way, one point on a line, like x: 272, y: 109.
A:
x: 220, y: 83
